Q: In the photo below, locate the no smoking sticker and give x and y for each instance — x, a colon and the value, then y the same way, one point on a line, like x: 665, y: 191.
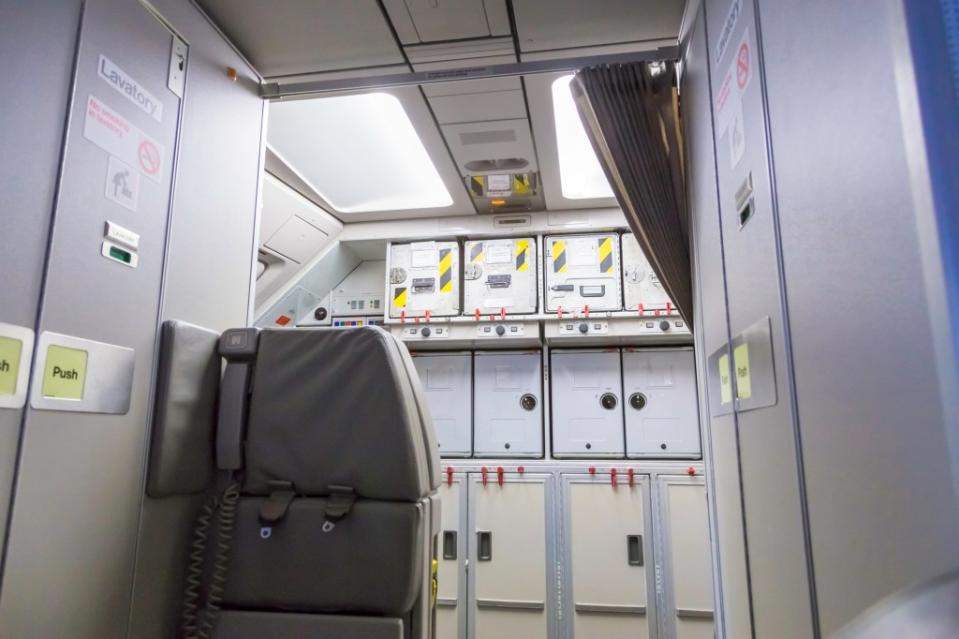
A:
x: 743, y: 63
x: 149, y: 156
x: 120, y: 138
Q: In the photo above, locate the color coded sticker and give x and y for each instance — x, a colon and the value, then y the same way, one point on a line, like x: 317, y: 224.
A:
x: 725, y: 383
x: 744, y: 387
x: 64, y: 373
x: 10, y: 350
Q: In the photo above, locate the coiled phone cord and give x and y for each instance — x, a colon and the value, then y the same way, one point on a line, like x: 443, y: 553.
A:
x: 197, y: 623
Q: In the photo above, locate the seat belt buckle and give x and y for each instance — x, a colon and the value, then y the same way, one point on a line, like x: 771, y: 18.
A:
x: 276, y: 506
x: 338, y: 505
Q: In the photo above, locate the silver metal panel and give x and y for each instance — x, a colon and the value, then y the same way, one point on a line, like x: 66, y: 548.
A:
x: 500, y: 276
x: 642, y: 290
x: 581, y: 382
x: 770, y: 472
x: 81, y: 552
x: 853, y: 247
x: 582, y: 271
x: 424, y: 277
x: 508, y: 404
x: 447, y: 382
x: 659, y: 401
x: 109, y: 376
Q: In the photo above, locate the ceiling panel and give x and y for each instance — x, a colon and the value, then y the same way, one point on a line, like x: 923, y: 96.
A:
x: 288, y: 37
x: 544, y: 25
x: 500, y: 139
x: 418, y: 21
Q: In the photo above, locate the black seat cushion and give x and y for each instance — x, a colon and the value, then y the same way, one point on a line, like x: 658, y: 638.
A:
x: 335, y: 407
x: 370, y: 563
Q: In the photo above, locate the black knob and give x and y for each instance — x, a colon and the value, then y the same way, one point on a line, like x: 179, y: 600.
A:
x: 500, y: 330
x: 588, y: 446
x: 663, y: 446
x: 584, y: 327
x: 527, y: 401
x: 425, y: 331
x: 319, y: 314
x: 637, y: 401
x: 506, y: 445
x: 608, y: 401
x: 664, y: 325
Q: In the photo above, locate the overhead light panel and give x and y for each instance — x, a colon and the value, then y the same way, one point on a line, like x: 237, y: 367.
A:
x: 581, y: 176
x: 360, y: 152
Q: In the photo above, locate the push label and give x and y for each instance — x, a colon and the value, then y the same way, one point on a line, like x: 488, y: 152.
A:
x: 64, y: 373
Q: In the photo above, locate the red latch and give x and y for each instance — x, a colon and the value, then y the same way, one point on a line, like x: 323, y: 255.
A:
x: 484, y: 472
x: 639, y: 307
x: 521, y: 469
x: 592, y: 470
x: 559, y: 312
x: 632, y: 477
x: 416, y: 318
x: 612, y: 477
x: 499, y: 475
x: 586, y: 311
x: 691, y: 471
x: 477, y: 315
x: 656, y: 313
x: 402, y: 317
x: 502, y: 312
x: 283, y: 320
x: 449, y: 475
x: 669, y: 308
x: 427, y: 317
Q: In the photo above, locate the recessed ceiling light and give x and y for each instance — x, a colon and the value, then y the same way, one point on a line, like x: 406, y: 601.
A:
x: 360, y: 152
x: 580, y: 173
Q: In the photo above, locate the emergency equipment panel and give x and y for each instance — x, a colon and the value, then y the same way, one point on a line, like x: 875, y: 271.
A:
x: 499, y: 276
x: 424, y: 279
x: 582, y: 271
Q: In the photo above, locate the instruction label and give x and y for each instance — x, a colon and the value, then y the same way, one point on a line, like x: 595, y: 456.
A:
x: 64, y: 373
x: 123, y: 184
x: 10, y: 352
x: 129, y: 88
x: 744, y: 386
x: 729, y: 25
x: 114, y: 134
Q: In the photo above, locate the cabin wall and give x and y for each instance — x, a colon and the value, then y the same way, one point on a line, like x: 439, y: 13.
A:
x: 831, y: 466
x: 76, y: 514
x: 711, y: 331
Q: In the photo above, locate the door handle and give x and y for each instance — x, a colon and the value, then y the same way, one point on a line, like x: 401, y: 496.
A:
x: 634, y: 550
x: 449, y: 544
x: 484, y: 545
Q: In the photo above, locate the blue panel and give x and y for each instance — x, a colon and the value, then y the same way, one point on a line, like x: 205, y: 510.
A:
x: 950, y: 10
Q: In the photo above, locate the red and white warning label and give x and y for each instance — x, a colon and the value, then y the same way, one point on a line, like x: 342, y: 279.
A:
x: 743, y: 63
x: 114, y: 134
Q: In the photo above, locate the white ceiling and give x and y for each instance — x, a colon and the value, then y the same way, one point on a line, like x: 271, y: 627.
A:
x: 353, y: 38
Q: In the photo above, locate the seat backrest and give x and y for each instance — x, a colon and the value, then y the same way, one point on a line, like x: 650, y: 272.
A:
x: 333, y: 407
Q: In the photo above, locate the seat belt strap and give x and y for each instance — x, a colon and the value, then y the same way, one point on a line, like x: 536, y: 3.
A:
x: 278, y: 502
x: 338, y: 505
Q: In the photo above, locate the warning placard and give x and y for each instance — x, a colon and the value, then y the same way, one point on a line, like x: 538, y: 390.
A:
x: 114, y: 134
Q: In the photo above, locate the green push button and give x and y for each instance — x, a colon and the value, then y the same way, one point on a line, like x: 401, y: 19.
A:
x: 10, y: 350
x: 64, y: 373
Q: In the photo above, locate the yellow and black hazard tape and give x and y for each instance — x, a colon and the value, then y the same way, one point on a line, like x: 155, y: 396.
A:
x: 476, y: 184
x: 476, y: 252
x: 605, y: 255
x: 559, y: 256
x: 522, y: 255
x: 399, y: 297
x: 446, y: 271
x: 520, y: 184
